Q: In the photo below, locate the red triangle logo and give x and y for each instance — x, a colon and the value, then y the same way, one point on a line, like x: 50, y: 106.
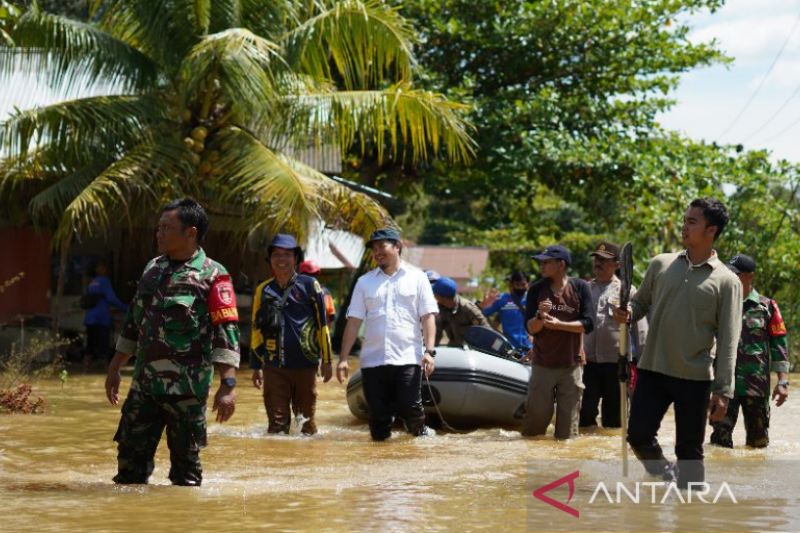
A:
x: 569, y: 479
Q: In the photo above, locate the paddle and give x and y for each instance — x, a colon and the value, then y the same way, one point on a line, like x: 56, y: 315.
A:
x: 623, y: 369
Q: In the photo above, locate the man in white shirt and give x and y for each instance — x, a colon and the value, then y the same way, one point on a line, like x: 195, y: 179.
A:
x: 396, y: 302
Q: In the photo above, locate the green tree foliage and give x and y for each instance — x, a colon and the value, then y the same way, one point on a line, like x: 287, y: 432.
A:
x: 565, y: 91
x: 9, y: 13
x: 216, y: 100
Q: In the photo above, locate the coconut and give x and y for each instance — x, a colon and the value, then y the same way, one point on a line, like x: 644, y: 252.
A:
x: 188, y: 142
x: 194, y: 158
x: 205, y: 167
x: 198, y: 146
x: 199, y: 133
x: 186, y: 115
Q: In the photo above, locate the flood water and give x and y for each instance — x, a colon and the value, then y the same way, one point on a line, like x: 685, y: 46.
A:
x: 56, y: 470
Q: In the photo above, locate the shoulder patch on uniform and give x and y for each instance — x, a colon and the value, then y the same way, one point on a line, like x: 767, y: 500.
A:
x: 222, y: 301
x: 777, y: 328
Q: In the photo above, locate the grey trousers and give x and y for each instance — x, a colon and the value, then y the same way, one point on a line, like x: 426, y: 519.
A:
x: 548, y: 386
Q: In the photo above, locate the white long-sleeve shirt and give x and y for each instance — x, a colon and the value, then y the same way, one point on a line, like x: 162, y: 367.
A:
x: 392, y: 308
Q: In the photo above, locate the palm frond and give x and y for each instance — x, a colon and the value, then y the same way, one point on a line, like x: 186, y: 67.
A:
x: 197, y: 13
x: 244, y: 64
x: 165, y: 31
x: 270, y: 19
x: 49, y: 204
x: 409, y: 122
x: 70, y: 53
x: 362, y: 42
x: 275, y: 191
x: 138, y: 180
x: 22, y: 176
x: 349, y: 210
x: 226, y: 14
x: 82, y: 121
x: 279, y: 193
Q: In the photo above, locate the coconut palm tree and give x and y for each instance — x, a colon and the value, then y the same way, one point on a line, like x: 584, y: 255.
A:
x: 212, y: 99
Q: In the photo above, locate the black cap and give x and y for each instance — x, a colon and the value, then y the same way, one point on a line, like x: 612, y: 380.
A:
x: 384, y: 234
x: 554, y: 252
x: 742, y: 264
x: 607, y: 250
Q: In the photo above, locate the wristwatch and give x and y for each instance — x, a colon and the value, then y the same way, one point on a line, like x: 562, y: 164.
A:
x: 783, y: 383
x: 229, y: 382
x: 432, y: 353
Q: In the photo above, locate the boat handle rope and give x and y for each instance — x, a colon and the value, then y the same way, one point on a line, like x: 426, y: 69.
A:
x: 445, y: 425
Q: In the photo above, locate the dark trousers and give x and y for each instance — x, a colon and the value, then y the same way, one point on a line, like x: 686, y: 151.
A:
x: 602, y: 383
x: 143, y: 420
x: 393, y: 390
x: 287, y: 390
x: 653, y: 396
x: 98, y: 343
x: 756, y: 422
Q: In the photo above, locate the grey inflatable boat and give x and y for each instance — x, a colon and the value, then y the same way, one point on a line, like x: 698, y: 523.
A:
x: 481, y: 384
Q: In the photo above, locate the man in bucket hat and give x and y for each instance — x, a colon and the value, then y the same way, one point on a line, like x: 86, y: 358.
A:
x: 396, y: 303
x: 289, y: 339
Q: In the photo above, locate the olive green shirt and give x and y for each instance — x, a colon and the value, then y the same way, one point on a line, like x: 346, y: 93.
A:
x: 688, y: 307
x: 456, y: 322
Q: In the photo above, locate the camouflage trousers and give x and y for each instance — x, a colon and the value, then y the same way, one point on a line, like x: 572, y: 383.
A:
x: 756, y: 422
x: 143, y: 420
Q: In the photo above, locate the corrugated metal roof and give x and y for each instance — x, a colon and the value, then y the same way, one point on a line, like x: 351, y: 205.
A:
x: 330, y: 247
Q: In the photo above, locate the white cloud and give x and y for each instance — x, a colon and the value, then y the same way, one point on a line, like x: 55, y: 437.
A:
x: 748, y: 40
x: 746, y: 8
x: 752, y: 31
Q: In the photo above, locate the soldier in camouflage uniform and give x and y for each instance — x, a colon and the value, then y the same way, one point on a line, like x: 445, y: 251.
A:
x: 289, y: 339
x: 181, y: 325
x: 762, y: 347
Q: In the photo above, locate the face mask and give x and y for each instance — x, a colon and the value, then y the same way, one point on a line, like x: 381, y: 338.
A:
x: 520, y: 292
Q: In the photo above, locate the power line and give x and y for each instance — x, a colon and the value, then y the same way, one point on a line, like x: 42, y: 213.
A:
x: 775, y: 114
x: 763, y: 79
x: 784, y: 130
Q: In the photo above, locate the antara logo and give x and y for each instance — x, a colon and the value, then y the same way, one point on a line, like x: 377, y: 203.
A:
x: 569, y: 479
x: 695, y: 492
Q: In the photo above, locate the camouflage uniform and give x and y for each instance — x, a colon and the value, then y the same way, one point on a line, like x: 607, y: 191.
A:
x: 456, y: 321
x: 182, y: 320
x: 762, y: 347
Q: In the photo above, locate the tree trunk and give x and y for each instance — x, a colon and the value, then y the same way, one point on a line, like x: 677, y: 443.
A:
x: 62, y: 272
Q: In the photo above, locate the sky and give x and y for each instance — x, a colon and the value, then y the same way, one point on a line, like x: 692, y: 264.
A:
x: 712, y: 103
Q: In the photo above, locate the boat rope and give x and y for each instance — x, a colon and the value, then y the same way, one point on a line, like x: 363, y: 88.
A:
x: 445, y: 425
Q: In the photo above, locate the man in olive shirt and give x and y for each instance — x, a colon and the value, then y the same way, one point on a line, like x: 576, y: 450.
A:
x: 691, y: 299
x: 456, y: 315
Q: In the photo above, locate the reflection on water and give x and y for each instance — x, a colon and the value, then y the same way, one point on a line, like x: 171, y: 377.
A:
x: 55, y: 472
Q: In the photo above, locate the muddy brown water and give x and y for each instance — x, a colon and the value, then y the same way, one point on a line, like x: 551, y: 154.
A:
x: 56, y: 470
